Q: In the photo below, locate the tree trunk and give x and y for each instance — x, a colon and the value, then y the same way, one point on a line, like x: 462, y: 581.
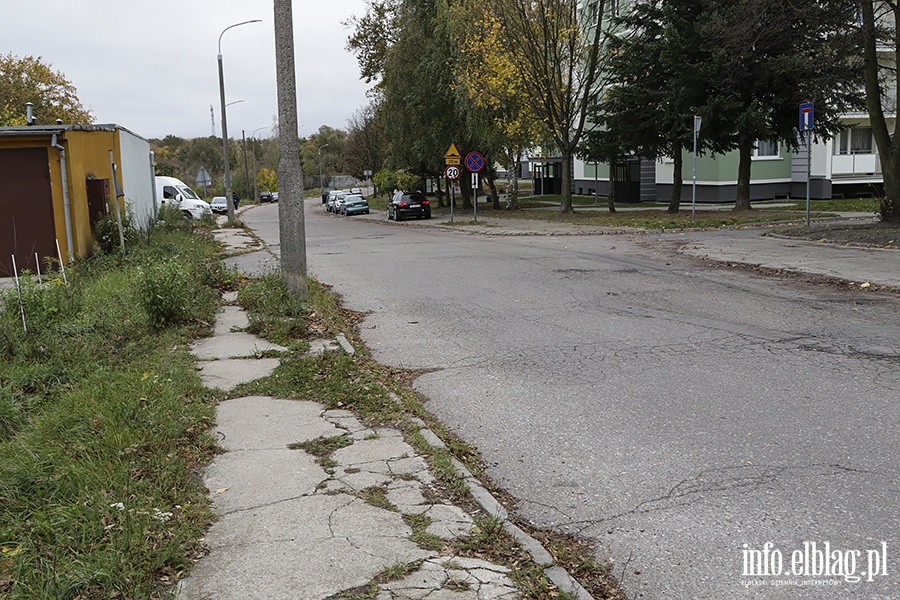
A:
x: 890, y: 207
x: 745, y: 150
x: 492, y: 186
x: 565, y: 205
x: 465, y: 190
x: 439, y: 192
x: 512, y: 182
x: 890, y: 157
x: 677, y: 183
x: 613, y: 167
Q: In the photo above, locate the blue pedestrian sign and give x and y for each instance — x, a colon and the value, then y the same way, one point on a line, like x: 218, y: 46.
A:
x: 806, y: 116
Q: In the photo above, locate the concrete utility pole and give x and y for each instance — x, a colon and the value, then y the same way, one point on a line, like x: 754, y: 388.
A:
x: 290, y: 177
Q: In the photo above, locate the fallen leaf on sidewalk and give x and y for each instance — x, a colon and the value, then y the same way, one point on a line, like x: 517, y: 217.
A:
x: 221, y: 490
x: 865, y: 285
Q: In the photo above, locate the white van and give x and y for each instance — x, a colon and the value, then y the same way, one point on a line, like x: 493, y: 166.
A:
x: 170, y: 190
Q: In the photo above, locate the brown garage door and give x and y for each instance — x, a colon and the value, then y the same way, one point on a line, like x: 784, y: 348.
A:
x: 26, y: 209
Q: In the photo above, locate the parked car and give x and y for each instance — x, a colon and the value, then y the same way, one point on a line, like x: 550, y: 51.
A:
x: 332, y: 198
x: 275, y: 196
x: 357, y: 191
x: 219, y: 205
x: 266, y: 197
x: 175, y: 192
x: 409, y: 204
x: 354, y: 204
x: 325, y: 193
x: 339, y: 201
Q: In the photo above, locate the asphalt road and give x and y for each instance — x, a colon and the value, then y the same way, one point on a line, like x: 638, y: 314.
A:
x: 666, y: 411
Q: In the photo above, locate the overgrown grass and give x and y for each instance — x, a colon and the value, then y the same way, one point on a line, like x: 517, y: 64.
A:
x: 103, y: 423
x: 651, y: 219
x: 274, y: 313
x: 489, y: 541
x: 864, y: 205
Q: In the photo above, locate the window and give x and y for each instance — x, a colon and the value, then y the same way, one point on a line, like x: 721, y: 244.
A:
x: 169, y: 192
x: 766, y: 149
x: 857, y: 140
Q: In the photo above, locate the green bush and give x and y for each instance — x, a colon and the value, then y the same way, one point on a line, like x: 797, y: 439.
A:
x: 274, y: 312
x: 173, y: 293
x: 106, y: 232
x: 170, y: 218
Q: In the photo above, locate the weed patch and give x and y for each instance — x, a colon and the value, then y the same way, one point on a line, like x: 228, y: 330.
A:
x: 376, y: 496
x: 103, y: 425
x: 323, y: 446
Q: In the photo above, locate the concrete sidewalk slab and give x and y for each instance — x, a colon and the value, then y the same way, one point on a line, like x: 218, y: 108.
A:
x: 468, y: 578
x: 254, y: 264
x: 877, y: 266
x: 263, y: 422
x: 232, y: 345
x: 228, y: 373
x: 311, y: 547
x: 230, y: 319
x: 236, y: 239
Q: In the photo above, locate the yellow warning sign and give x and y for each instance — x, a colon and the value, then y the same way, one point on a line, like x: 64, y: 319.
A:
x: 452, y: 157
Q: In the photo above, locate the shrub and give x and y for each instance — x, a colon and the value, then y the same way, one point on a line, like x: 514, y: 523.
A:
x: 170, y: 218
x: 172, y: 293
x: 106, y: 232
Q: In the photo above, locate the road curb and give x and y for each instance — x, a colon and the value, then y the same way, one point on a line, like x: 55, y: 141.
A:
x: 490, y: 505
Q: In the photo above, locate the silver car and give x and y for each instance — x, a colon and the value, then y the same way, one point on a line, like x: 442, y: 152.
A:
x: 219, y: 205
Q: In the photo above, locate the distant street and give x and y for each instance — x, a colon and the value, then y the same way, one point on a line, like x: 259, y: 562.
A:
x: 679, y: 417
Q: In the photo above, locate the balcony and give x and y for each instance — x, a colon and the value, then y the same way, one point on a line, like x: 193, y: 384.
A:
x: 856, y: 166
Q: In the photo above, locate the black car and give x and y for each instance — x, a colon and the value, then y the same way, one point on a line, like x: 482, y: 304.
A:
x: 407, y: 205
x: 266, y: 197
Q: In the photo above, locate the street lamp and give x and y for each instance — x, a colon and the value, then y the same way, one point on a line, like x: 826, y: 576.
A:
x: 228, y: 192
x: 321, y: 181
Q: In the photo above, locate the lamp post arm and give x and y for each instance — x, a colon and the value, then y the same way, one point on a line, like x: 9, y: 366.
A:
x: 227, y: 175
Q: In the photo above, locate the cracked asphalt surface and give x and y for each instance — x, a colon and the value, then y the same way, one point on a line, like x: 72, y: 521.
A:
x: 667, y: 411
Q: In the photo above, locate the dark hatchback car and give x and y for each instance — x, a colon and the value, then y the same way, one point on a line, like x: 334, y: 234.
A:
x: 406, y: 205
x: 266, y: 197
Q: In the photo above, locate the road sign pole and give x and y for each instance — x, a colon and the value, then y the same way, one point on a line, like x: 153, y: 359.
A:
x: 452, y: 175
x: 808, y: 169
x: 807, y: 122
x: 698, y: 120
x: 475, y: 197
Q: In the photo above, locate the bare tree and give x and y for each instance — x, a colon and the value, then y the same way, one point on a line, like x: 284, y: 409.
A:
x: 560, y: 56
x: 364, y: 150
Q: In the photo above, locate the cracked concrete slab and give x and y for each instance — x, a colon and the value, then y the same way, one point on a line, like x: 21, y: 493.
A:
x: 290, y: 550
x: 374, y: 454
x: 256, y: 422
x: 230, y: 319
x: 448, y: 522
x: 452, y: 578
x: 235, y: 239
x: 239, y: 484
x: 317, y: 347
x: 288, y: 526
x: 232, y: 345
x: 407, y: 497
x: 226, y: 374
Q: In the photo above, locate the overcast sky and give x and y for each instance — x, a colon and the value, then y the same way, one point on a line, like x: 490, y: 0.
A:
x: 151, y: 66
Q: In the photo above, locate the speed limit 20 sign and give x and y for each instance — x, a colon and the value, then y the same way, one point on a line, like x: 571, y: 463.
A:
x: 452, y: 172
